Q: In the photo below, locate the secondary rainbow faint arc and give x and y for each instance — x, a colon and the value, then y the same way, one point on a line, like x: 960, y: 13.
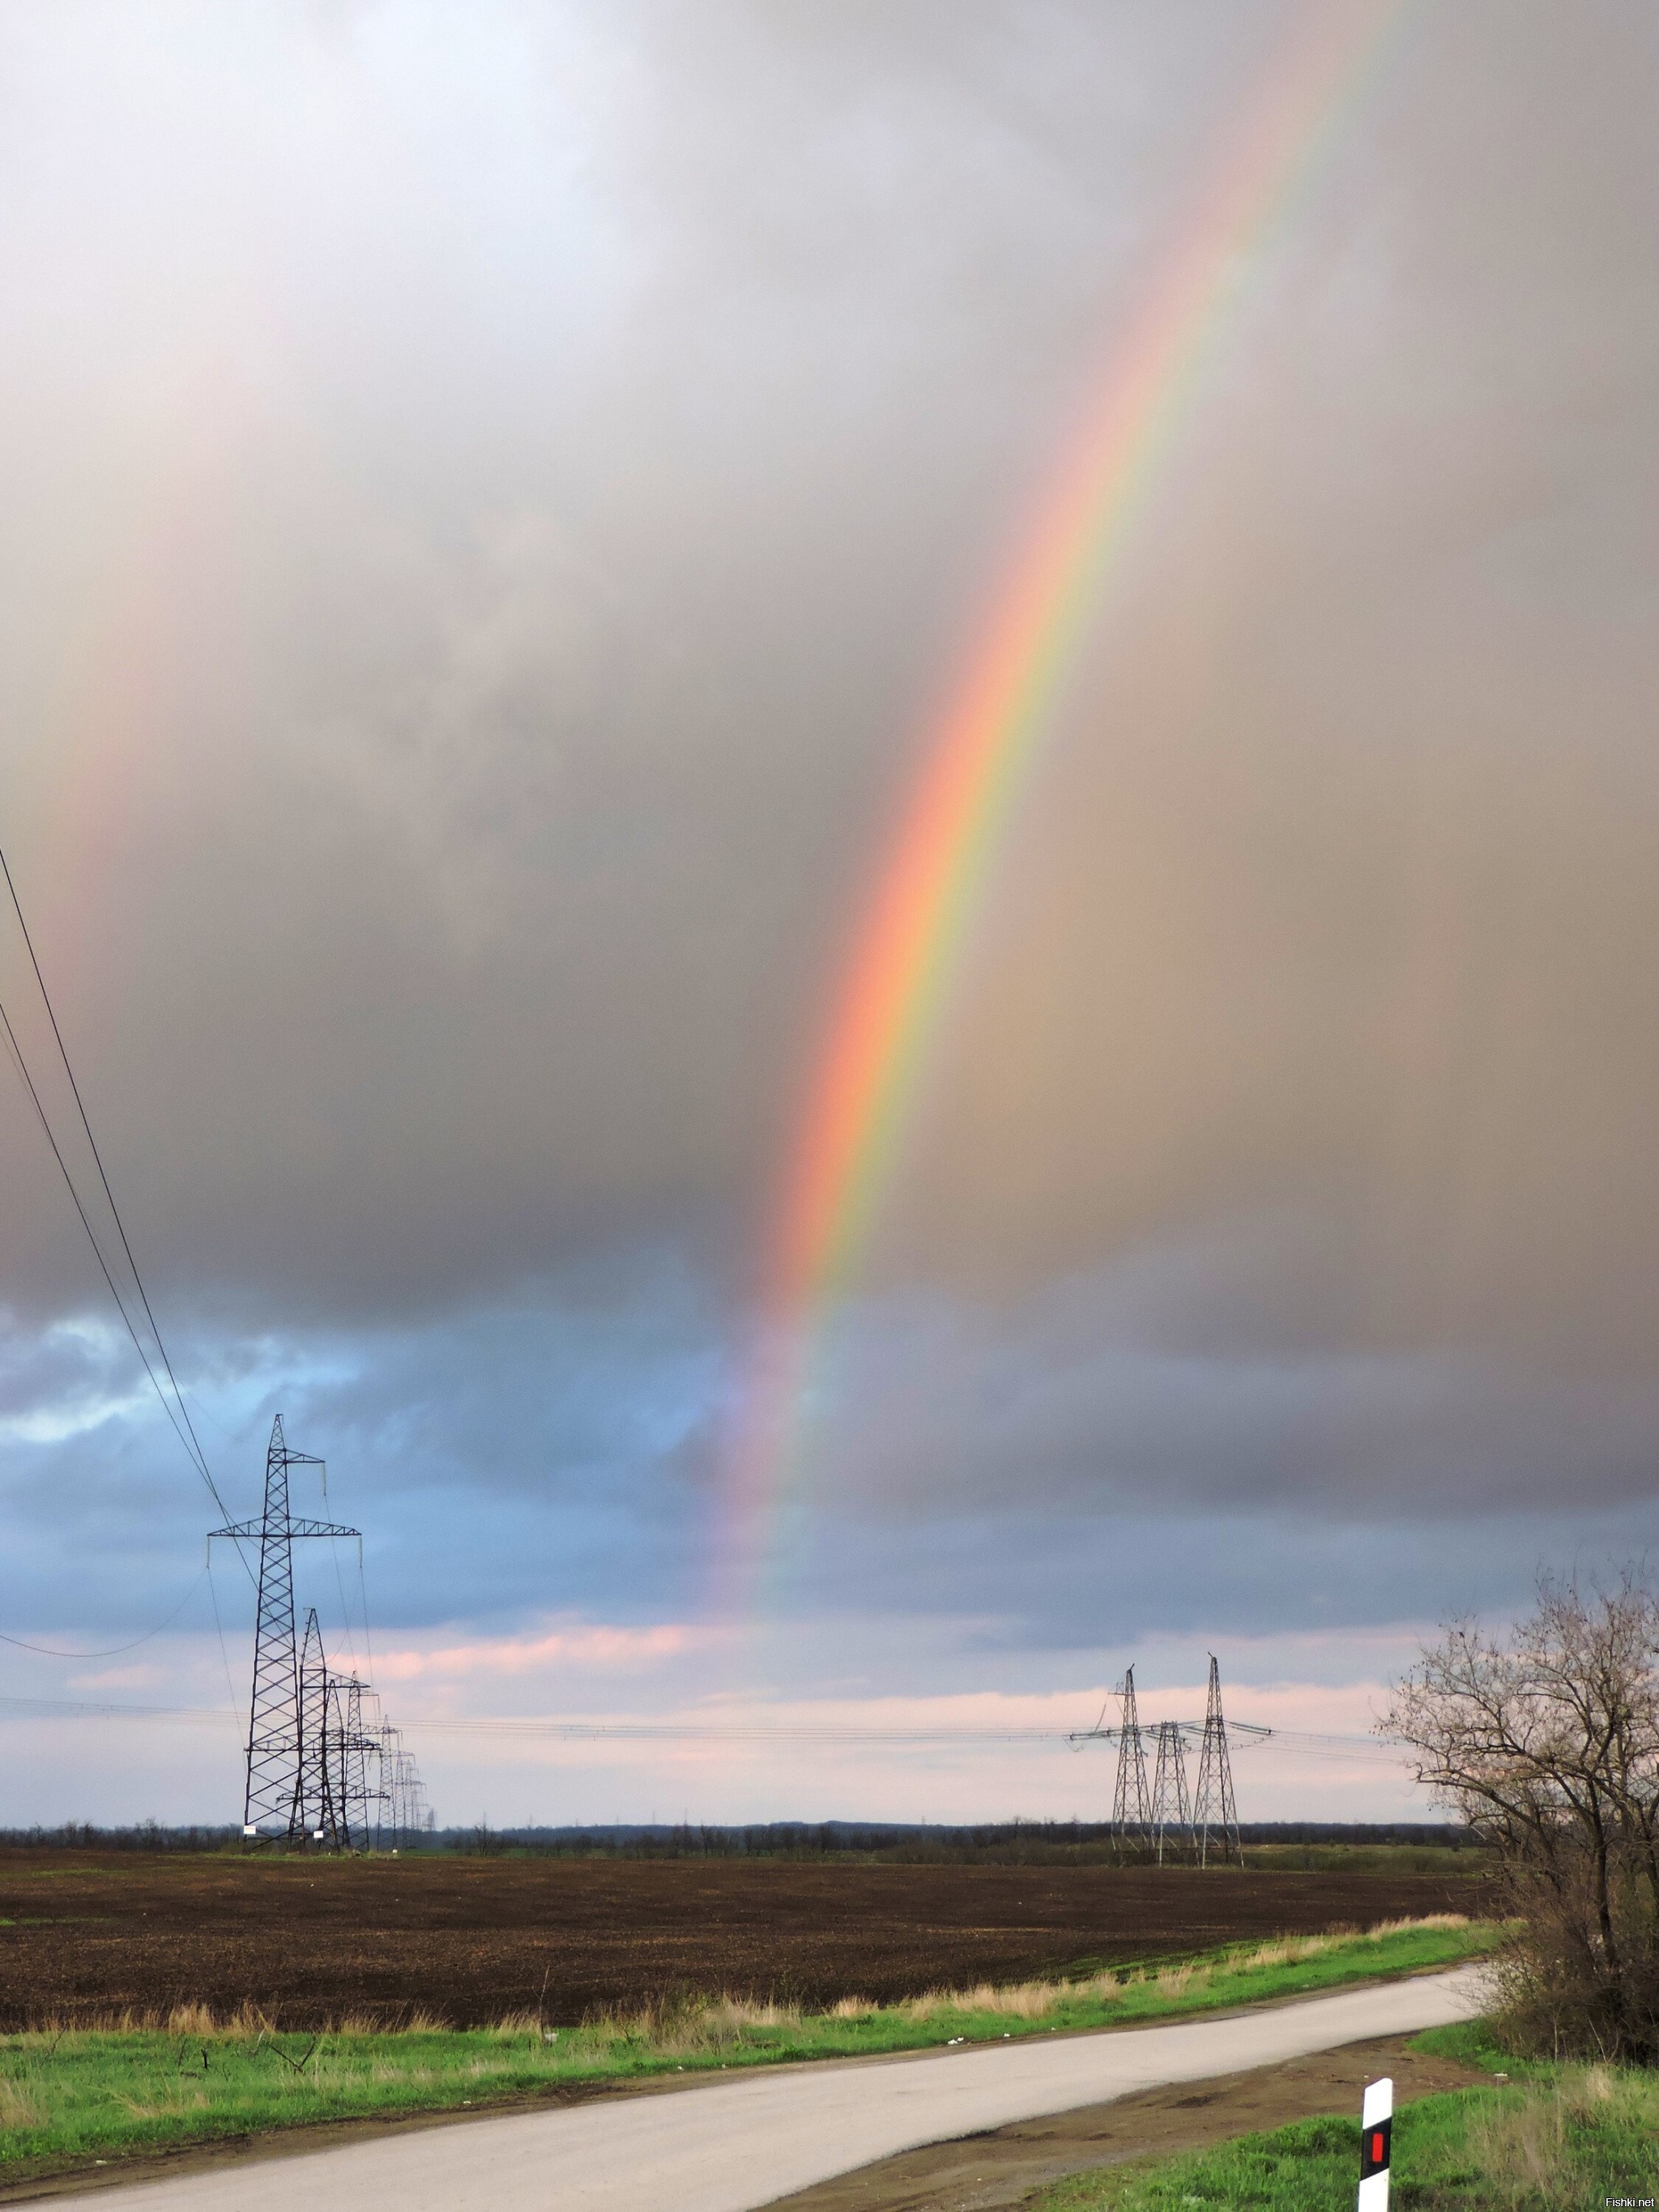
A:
x: 886, y: 1011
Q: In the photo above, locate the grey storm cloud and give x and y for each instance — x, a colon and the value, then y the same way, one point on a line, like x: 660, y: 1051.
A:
x: 492, y: 501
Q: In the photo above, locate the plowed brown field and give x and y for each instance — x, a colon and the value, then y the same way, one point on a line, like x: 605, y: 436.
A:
x: 471, y: 1939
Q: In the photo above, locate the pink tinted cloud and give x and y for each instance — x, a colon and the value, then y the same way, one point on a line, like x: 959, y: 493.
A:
x: 582, y: 1646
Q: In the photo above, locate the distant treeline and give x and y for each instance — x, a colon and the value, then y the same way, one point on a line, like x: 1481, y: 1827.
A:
x: 897, y: 1842
x: 148, y: 1836
x: 916, y: 1843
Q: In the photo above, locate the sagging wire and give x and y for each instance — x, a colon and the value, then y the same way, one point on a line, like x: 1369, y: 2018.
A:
x: 194, y: 1446
x: 188, y: 1439
x: 48, y: 1652
x: 218, y: 1624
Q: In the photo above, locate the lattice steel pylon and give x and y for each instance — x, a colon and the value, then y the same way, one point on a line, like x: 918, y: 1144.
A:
x: 1171, y: 1808
x: 1215, y: 1816
x: 350, y: 1751
x: 321, y: 1780
x: 274, y: 1802
x: 1131, y: 1810
x: 402, y: 1794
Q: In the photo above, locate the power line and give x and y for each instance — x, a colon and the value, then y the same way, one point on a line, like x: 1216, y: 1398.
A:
x: 499, y: 1726
x: 47, y: 1652
x: 218, y: 1624
x: 187, y: 1436
x: 92, y: 1238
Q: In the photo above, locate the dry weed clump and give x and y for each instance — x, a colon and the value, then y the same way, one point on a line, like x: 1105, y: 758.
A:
x: 1175, y: 1981
x: 1525, y: 2148
x: 1381, y: 1928
x: 683, y: 2023
x: 1287, y: 1951
x: 176, y: 2105
x: 20, y: 2103
x: 1008, y: 2001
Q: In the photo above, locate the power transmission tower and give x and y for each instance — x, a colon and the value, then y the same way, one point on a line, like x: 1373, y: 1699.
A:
x: 1171, y: 1808
x: 1215, y: 1816
x: 319, y: 1778
x: 274, y: 1802
x: 352, y: 1748
x: 394, y: 1786
x: 402, y: 1794
x: 379, y: 1794
x: 1130, y: 1809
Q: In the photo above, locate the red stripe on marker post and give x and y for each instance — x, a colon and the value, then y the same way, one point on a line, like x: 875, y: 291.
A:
x: 1376, y: 2136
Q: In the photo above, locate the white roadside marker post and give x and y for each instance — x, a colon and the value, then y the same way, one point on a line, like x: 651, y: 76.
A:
x: 1375, y: 2132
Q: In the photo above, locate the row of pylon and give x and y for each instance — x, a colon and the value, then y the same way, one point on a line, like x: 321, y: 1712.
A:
x: 358, y: 1788
x: 1161, y: 1819
x: 323, y: 1765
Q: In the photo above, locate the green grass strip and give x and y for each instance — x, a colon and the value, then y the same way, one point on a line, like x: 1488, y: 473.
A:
x: 1557, y: 2136
x: 77, y: 2095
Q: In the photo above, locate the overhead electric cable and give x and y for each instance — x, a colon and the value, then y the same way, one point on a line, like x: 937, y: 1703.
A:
x: 199, y: 1455
x: 218, y: 1624
x: 47, y: 1652
x: 92, y: 1238
x: 187, y: 1437
x: 345, y: 1613
x: 499, y: 1726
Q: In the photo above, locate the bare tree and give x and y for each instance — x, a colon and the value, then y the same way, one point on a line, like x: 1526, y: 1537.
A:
x: 1546, y: 1742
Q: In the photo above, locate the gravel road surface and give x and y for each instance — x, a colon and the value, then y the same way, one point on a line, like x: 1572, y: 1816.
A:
x: 735, y: 2145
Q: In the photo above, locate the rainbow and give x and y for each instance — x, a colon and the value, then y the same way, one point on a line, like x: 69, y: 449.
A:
x: 907, y: 946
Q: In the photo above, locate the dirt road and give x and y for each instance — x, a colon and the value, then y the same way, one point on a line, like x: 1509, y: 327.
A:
x: 996, y: 2169
x: 736, y: 2145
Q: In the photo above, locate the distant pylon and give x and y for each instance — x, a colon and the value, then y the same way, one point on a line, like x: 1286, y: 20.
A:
x: 1131, y: 1813
x: 274, y: 1801
x: 1171, y: 1811
x: 1215, y: 1816
x: 402, y: 1794
x: 352, y: 1749
x: 319, y: 1779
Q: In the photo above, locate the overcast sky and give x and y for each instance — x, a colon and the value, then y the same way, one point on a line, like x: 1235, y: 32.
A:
x: 490, y: 499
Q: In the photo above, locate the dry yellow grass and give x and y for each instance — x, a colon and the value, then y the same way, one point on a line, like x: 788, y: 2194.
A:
x: 1428, y: 1920
x: 22, y: 2104
x: 1524, y: 2149
x: 1033, y: 2000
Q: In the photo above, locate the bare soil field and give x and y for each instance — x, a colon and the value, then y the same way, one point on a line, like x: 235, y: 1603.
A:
x: 468, y: 1939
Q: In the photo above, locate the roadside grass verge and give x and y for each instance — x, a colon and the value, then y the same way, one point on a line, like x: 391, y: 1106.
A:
x: 1549, y: 2138
x: 74, y: 2094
